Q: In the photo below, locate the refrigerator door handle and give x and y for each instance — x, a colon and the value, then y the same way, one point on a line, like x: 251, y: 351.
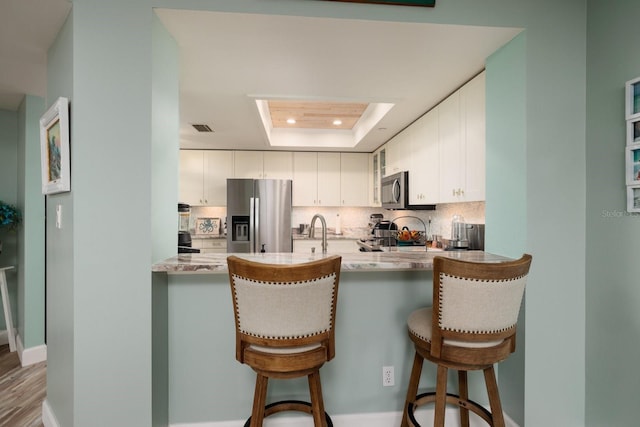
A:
x: 256, y: 229
x: 252, y: 220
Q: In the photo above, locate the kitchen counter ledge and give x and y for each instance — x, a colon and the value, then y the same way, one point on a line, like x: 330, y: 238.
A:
x: 355, y: 261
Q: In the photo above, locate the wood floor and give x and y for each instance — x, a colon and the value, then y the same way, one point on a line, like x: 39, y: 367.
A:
x: 22, y: 391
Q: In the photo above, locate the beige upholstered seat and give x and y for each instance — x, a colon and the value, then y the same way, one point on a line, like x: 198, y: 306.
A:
x: 471, y: 326
x: 285, y: 322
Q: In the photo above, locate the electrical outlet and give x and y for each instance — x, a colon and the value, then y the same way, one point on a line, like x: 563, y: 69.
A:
x: 387, y: 376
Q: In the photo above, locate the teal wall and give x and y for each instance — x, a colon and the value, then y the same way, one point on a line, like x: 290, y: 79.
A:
x: 207, y: 383
x: 9, y: 194
x: 164, y: 136
x: 31, y: 286
x: 104, y: 286
x: 506, y: 202
x: 60, y: 300
x: 613, y: 294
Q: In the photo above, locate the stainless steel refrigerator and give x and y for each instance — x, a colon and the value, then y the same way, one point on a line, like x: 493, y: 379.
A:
x: 259, y: 215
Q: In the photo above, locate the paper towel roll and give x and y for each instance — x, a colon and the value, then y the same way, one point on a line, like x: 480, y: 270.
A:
x: 338, y: 224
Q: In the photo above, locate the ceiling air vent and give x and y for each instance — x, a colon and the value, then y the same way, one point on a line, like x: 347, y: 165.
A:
x: 202, y: 128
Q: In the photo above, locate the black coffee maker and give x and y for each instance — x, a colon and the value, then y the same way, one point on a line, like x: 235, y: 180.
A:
x: 382, y: 230
x: 184, y: 236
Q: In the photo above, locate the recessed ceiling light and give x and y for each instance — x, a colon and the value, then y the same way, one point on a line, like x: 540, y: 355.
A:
x: 337, y: 122
x: 291, y: 121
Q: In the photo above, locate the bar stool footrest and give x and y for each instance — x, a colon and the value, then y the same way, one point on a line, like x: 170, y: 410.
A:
x: 289, y: 405
x: 451, y: 399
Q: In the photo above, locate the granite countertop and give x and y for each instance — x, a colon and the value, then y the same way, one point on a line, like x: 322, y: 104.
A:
x: 357, y: 261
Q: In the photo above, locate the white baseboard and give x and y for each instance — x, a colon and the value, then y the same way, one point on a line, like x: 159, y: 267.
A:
x: 32, y: 355
x: 379, y: 419
x: 48, y: 418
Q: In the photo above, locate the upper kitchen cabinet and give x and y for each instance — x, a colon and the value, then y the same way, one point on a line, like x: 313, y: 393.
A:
x: 278, y: 165
x: 375, y: 174
x: 203, y: 176
x: 397, y: 153
x: 248, y: 164
x: 316, y: 179
x: 354, y: 179
x: 424, y: 164
x: 263, y: 164
x: 461, y: 121
x: 330, y: 179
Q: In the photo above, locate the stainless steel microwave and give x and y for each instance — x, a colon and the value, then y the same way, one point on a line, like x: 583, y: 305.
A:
x: 394, y: 193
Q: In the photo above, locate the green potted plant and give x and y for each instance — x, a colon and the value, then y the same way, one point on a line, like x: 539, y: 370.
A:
x: 10, y: 218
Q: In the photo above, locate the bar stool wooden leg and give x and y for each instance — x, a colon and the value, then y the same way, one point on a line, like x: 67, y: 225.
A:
x: 464, y: 396
x: 6, y: 306
x: 494, y: 397
x: 317, y: 403
x: 441, y: 396
x: 259, y: 401
x: 412, y: 392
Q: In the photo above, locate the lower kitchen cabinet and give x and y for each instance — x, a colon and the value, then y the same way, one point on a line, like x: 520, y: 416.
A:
x: 334, y: 246
x: 216, y: 246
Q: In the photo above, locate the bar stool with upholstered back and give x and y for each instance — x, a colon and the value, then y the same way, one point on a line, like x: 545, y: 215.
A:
x: 285, y: 322
x: 471, y: 326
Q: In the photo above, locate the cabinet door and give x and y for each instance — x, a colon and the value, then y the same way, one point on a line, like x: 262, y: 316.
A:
x: 451, y: 156
x: 374, y: 179
x: 305, y: 179
x: 192, y: 177
x: 278, y: 165
x: 472, y: 99
x: 354, y: 179
x: 218, y: 167
x: 329, y: 179
x: 424, y: 173
x: 248, y: 164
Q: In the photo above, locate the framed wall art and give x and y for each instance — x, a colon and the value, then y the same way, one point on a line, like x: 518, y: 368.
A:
x: 54, y: 148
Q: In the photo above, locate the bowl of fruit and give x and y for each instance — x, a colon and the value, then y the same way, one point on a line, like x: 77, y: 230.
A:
x: 406, y: 236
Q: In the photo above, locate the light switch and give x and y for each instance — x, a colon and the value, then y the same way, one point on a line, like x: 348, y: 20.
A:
x: 59, y: 216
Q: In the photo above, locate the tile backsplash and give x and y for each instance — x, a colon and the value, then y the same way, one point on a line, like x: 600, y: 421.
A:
x: 355, y: 220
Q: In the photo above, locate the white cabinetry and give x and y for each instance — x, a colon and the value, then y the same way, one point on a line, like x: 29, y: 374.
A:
x: 248, y: 164
x: 450, y: 149
x: 216, y: 246
x: 397, y: 153
x: 329, y: 179
x: 263, y: 164
x: 305, y: 179
x: 354, y: 179
x: 278, y: 165
x: 462, y: 144
x: 316, y: 179
x: 203, y: 176
x: 424, y: 162
x: 333, y: 246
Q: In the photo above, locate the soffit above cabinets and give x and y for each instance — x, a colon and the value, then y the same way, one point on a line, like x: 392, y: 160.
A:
x: 232, y: 62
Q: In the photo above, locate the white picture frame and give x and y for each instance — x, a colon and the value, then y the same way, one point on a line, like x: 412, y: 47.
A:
x: 632, y: 165
x: 633, y: 198
x: 632, y: 99
x: 54, y: 148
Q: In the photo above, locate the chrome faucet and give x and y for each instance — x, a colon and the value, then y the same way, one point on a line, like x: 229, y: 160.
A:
x: 324, y: 231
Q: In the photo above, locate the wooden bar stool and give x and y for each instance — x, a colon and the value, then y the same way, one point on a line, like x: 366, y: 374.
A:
x: 471, y: 326
x: 6, y: 308
x: 285, y: 322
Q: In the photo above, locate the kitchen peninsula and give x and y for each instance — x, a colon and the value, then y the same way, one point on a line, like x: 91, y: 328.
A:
x: 197, y: 378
